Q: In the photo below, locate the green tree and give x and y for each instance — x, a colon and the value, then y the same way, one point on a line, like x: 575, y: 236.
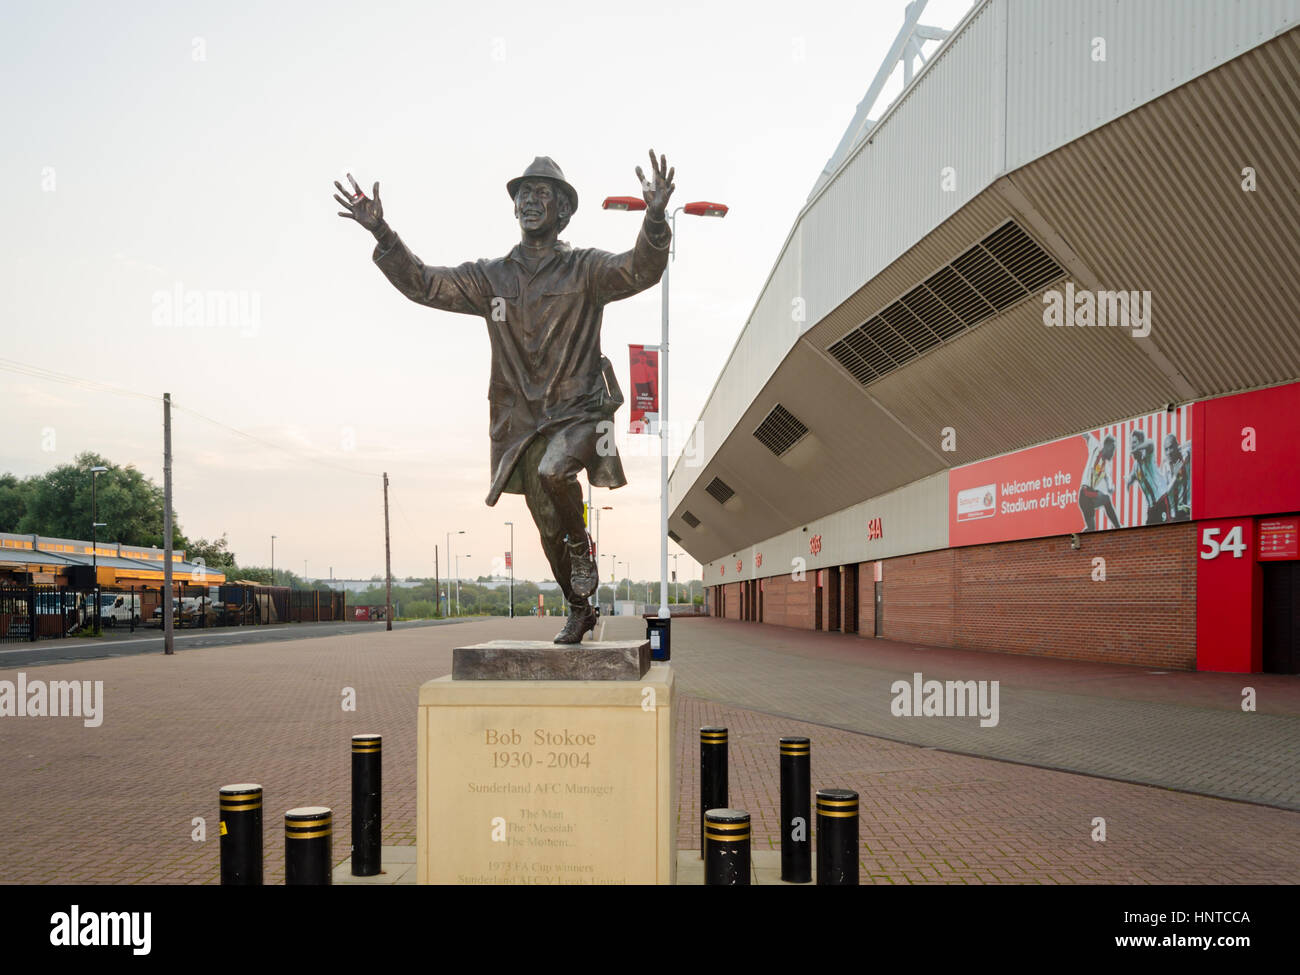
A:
x: 215, y: 554
x: 129, y: 504
x: 250, y: 573
x: 419, y: 609
x: 14, y: 493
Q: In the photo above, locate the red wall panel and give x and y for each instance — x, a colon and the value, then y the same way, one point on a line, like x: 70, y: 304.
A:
x: 1229, y: 601
x: 1229, y: 481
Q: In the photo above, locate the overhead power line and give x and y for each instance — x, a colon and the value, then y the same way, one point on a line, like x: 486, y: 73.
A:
x: 274, y: 446
x: 37, y: 372
x: 94, y: 385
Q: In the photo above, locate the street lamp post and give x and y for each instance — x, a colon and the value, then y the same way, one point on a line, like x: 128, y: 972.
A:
x: 677, y: 584
x: 697, y: 209
x: 94, y: 542
x: 511, y: 556
x: 449, y: 587
x: 595, y: 514
x: 603, y: 507
x: 273, y: 538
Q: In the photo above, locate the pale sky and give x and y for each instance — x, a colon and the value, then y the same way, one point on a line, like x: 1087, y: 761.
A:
x: 161, y: 149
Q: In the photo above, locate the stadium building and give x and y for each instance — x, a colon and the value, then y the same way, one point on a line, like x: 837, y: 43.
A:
x: 1023, y: 377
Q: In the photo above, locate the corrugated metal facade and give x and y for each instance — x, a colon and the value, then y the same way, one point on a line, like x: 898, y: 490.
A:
x: 1240, y: 247
x: 891, y: 193
x: 1056, y: 91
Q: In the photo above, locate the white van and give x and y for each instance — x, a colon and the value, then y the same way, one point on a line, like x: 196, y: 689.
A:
x: 119, y: 607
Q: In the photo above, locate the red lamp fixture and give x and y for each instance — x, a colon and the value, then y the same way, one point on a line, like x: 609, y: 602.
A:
x: 701, y: 208
x: 623, y: 203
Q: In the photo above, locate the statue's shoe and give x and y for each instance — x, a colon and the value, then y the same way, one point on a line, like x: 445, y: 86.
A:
x: 580, y: 621
x: 583, y: 577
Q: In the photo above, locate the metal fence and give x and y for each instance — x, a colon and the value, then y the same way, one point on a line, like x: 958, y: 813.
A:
x: 29, y: 613
x: 312, y: 605
x: 34, y: 612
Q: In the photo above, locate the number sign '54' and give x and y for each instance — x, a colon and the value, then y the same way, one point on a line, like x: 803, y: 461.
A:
x: 1232, y: 542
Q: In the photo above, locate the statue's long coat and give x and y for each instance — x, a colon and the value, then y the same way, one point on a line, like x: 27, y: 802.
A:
x: 548, y: 375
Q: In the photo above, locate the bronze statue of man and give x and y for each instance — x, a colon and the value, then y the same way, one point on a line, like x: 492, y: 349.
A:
x: 551, y: 389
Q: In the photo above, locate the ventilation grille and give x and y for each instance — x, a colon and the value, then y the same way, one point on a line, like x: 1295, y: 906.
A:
x: 674, y: 536
x: 780, y: 431
x: 720, y: 490
x: 690, y: 519
x: 1000, y: 270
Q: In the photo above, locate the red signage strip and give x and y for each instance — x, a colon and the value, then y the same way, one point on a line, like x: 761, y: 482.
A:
x: 1127, y: 474
x: 1248, y: 453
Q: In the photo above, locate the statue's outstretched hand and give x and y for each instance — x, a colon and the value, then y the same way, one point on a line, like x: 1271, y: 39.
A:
x: 657, y: 193
x: 367, y: 212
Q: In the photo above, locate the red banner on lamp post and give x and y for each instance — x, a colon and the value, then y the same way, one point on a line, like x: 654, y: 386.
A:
x: 644, y: 376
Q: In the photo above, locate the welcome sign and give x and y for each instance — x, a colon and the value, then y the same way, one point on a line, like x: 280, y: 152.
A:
x: 1136, y: 472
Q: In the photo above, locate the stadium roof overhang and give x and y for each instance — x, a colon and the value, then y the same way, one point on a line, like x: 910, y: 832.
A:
x: 1154, y: 201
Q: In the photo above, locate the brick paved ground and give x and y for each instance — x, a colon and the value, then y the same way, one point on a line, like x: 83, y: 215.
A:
x: 929, y: 816
x: 114, y: 804
x: 1176, y: 730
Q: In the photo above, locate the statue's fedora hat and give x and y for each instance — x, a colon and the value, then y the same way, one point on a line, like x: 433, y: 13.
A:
x: 544, y: 167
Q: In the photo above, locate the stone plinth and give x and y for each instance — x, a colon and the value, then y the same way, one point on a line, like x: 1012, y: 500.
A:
x: 547, y: 781
x: 541, y: 660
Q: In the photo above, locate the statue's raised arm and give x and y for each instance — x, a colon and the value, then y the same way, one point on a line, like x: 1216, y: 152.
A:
x: 460, y: 289
x: 618, y: 276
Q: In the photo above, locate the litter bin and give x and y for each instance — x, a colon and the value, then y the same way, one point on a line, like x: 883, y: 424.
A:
x: 657, y: 632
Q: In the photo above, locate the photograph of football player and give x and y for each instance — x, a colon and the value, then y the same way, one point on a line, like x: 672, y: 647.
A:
x: 1145, y: 473
x: 1176, y: 503
x: 1096, y: 486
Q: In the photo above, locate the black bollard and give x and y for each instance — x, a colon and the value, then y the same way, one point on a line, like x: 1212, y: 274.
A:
x: 837, y: 838
x: 308, y: 846
x: 796, y: 811
x: 726, y: 848
x: 367, y: 792
x: 713, y: 773
x: 241, y: 835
